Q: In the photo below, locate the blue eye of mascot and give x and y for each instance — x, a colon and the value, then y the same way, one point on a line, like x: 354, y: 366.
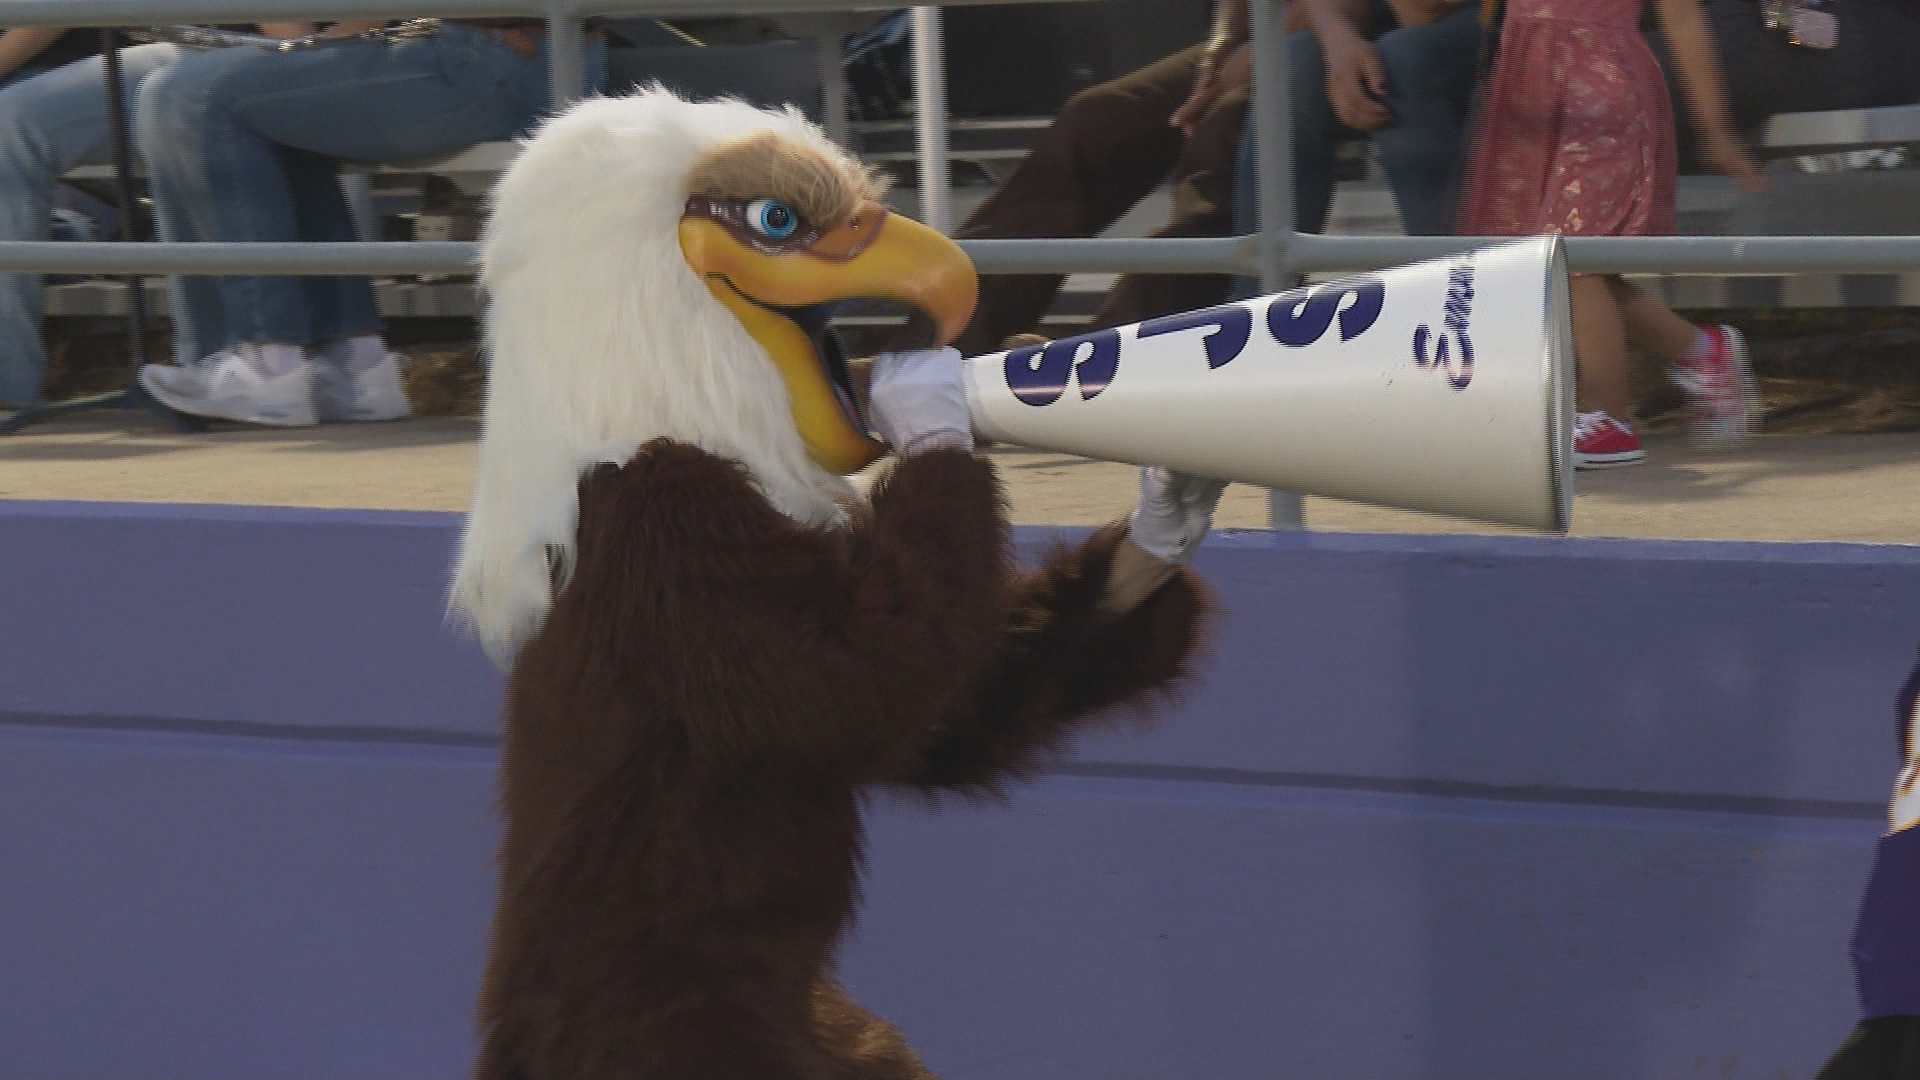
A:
x: 715, y: 645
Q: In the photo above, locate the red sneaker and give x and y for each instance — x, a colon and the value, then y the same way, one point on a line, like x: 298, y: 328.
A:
x: 1722, y: 397
x: 1601, y: 442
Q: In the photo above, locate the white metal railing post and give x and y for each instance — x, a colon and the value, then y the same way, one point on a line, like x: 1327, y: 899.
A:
x: 1273, y: 167
x: 930, y: 120
x: 566, y: 61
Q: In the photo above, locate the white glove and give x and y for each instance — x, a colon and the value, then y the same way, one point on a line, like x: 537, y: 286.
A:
x: 1174, y: 513
x: 919, y: 400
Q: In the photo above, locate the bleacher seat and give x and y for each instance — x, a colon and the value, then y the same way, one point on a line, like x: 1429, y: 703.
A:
x: 1841, y: 131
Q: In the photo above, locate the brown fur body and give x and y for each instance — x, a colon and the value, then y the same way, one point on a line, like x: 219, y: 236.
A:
x: 689, y: 735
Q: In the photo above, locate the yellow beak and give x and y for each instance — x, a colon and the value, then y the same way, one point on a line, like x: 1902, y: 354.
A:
x: 876, y: 256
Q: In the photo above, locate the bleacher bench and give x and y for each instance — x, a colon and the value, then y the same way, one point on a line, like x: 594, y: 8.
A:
x: 479, y: 164
x: 1879, y: 201
x: 1841, y: 131
x: 1842, y: 202
x: 991, y: 143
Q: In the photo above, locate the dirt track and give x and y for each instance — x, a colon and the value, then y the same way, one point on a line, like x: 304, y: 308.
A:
x: 1782, y: 487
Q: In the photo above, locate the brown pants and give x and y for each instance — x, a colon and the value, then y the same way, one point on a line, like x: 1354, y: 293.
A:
x: 1109, y: 147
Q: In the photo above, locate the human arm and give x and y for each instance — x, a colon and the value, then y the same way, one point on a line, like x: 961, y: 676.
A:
x: 1222, y: 61
x: 1697, y: 63
x: 285, y: 31
x: 1356, y: 77
x: 20, y: 44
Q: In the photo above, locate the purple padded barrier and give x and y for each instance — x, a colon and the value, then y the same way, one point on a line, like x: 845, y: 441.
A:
x: 1444, y: 807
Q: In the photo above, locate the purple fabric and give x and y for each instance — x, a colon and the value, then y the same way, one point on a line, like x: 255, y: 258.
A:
x: 1886, y: 948
x: 1886, y: 945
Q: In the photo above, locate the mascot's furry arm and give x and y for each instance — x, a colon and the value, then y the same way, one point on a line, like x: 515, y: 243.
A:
x: 1063, y: 655
x: 902, y: 649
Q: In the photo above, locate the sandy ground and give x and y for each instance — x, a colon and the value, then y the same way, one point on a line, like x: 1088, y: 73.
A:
x: 1832, y: 487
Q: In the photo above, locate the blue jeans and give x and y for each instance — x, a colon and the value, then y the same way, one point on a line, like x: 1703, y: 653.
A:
x: 1430, y: 77
x: 1430, y: 73
x: 50, y: 123
x: 245, y: 145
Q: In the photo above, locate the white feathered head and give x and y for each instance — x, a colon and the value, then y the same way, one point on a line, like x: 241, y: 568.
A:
x: 663, y: 268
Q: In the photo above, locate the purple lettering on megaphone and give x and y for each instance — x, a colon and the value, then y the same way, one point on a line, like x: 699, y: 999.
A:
x: 1227, y: 333
x: 1298, y: 318
x: 1459, y: 315
x: 1457, y: 376
x: 1037, y: 374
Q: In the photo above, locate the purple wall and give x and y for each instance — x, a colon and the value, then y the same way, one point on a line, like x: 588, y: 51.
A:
x: 1444, y: 808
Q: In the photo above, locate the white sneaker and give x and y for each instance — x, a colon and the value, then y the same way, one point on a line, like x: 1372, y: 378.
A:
x: 369, y: 396
x: 226, y: 386
x: 376, y: 394
x: 179, y: 381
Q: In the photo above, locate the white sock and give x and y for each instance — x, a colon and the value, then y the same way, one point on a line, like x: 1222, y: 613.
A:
x: 362, y: 353
x: 273, y: 358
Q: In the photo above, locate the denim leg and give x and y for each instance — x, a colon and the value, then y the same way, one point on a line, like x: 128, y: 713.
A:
x: 198, y: 316
x: 217, y: 125
x: 1317, y: 134
x: 1430, y: 72
x: 48, y: 125
x: 211, y: 178
x: 1246, y: 209
x: 337, y: 306
x: 22, y: 74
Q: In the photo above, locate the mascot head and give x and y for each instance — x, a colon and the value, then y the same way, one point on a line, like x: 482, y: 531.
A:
x: 656, y: 267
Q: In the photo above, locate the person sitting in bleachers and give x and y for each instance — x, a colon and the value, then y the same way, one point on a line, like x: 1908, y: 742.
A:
x: 53, y: 118
x: 1176, y: 121
x: 245, y: 145
x: 1398, y: 72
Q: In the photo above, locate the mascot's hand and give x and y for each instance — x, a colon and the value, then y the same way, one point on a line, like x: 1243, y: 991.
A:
x: 1174, y: 513
x: 919, y: 400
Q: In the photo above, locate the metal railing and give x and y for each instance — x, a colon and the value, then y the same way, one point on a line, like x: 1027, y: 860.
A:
x: 1273, y: 255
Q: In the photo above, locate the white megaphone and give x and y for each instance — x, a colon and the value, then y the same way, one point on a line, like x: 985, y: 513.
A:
x: 1443, y: 386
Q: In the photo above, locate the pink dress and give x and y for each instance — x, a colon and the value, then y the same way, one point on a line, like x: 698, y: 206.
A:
x: 1578, y: 131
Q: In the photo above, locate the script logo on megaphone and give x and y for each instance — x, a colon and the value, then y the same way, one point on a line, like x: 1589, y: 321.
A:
x: 1039, y: 374
x: 1456, y: 364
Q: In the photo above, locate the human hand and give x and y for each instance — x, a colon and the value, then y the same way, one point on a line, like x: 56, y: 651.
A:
x: 1356, y: 81
x: 1174, y: 513
x: 1727, y: 155
x: 1217, y: 75
x: 1206, y: 81
x: 918, y: 399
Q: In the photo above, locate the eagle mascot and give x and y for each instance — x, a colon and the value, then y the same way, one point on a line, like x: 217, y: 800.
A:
x: 716, y: 646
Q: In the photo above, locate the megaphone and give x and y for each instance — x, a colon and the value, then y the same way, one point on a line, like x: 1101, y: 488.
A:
x: 1444, y: 386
